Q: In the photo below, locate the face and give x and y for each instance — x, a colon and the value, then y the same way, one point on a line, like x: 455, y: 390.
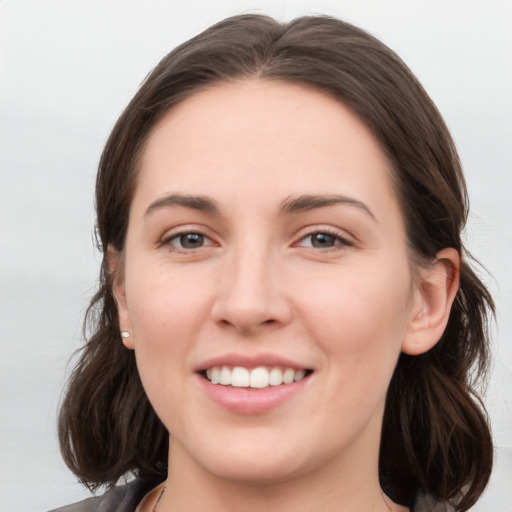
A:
x: 266, y: 281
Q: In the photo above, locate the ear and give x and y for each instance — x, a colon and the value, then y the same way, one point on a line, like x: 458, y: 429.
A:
x: 434, y: 296
x: 116, y: 269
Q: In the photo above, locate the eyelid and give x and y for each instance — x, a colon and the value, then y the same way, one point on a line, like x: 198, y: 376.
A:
x: 342, y: 236
x: 170, y: 235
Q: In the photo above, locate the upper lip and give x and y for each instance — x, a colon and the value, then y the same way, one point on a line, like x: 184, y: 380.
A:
x: 252, y: 361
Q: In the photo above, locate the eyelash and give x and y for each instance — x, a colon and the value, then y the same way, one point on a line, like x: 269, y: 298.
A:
x: 338, y: 241
x: 168, y: 241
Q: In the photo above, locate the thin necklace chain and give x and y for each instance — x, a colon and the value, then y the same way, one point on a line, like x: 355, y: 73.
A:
x: 162, y: 492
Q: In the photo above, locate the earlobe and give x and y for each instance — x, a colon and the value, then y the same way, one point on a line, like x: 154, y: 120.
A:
x: 436, y: 291
x: 115, y: 265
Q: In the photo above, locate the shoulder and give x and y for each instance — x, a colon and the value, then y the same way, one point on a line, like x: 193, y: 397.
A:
x: 124, y: 498
x: 427, y: 503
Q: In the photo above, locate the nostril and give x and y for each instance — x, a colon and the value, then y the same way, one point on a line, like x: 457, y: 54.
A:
x: 225, y: 322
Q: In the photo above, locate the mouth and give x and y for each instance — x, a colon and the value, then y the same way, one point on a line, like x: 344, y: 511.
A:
x: 257, y: 378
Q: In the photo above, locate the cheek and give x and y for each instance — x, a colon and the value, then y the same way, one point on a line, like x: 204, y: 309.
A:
x: 166, y: 314
x: 359, y: 319
x: 165, y: 311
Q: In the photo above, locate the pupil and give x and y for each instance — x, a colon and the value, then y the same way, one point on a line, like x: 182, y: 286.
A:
x: 191, y: 240
x: 322, y: 240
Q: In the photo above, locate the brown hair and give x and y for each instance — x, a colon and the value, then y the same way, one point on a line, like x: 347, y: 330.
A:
x: 435, y: 434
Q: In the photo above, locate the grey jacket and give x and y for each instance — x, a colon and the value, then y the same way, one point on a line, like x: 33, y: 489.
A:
x: 125, y: 498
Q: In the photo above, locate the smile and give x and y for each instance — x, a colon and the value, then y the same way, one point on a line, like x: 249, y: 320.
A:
x: 259, y: 377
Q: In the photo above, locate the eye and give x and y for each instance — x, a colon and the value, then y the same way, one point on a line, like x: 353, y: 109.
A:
x: 323, y: 240
x: 188, y: 241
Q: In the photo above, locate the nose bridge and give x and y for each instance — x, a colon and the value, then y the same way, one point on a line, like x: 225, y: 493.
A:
x: 252, y: 267
x: 249, y: 293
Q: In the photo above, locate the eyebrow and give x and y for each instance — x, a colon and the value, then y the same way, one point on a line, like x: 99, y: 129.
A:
x: 201, y: 203
x: 298, y: 204
x: 310, y: 202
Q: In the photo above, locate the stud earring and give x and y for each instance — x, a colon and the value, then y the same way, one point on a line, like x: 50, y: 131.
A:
x: 126, y: 334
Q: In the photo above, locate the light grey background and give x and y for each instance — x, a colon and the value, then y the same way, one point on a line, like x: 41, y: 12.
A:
x: 67, y: 70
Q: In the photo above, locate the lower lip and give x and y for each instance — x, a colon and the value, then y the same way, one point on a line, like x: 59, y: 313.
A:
x: 251, y: 400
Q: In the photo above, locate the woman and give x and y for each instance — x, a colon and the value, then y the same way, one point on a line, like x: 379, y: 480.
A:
x: 287, y: 318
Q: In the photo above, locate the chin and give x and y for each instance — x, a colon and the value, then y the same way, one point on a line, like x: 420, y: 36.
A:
x: 264, y: 464
x: 256, y: 472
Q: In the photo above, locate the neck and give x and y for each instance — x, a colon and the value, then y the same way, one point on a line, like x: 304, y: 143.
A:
x: 333, y: 487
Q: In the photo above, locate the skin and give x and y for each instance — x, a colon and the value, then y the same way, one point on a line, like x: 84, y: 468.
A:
x: 258, y: 285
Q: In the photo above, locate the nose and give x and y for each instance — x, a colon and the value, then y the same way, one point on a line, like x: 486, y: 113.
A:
x: 251, y: 296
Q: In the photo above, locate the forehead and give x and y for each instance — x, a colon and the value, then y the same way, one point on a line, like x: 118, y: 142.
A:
x: 258, y: 134
x: 255, y: 110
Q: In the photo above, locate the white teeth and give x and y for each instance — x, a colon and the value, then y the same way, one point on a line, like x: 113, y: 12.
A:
x: 215, y: 375
x: 299, y: 375
x: 276, y: 377
x: 288, y: 376
x: 225, y: 376
x: 240, y: 377
x: 260, y: 377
